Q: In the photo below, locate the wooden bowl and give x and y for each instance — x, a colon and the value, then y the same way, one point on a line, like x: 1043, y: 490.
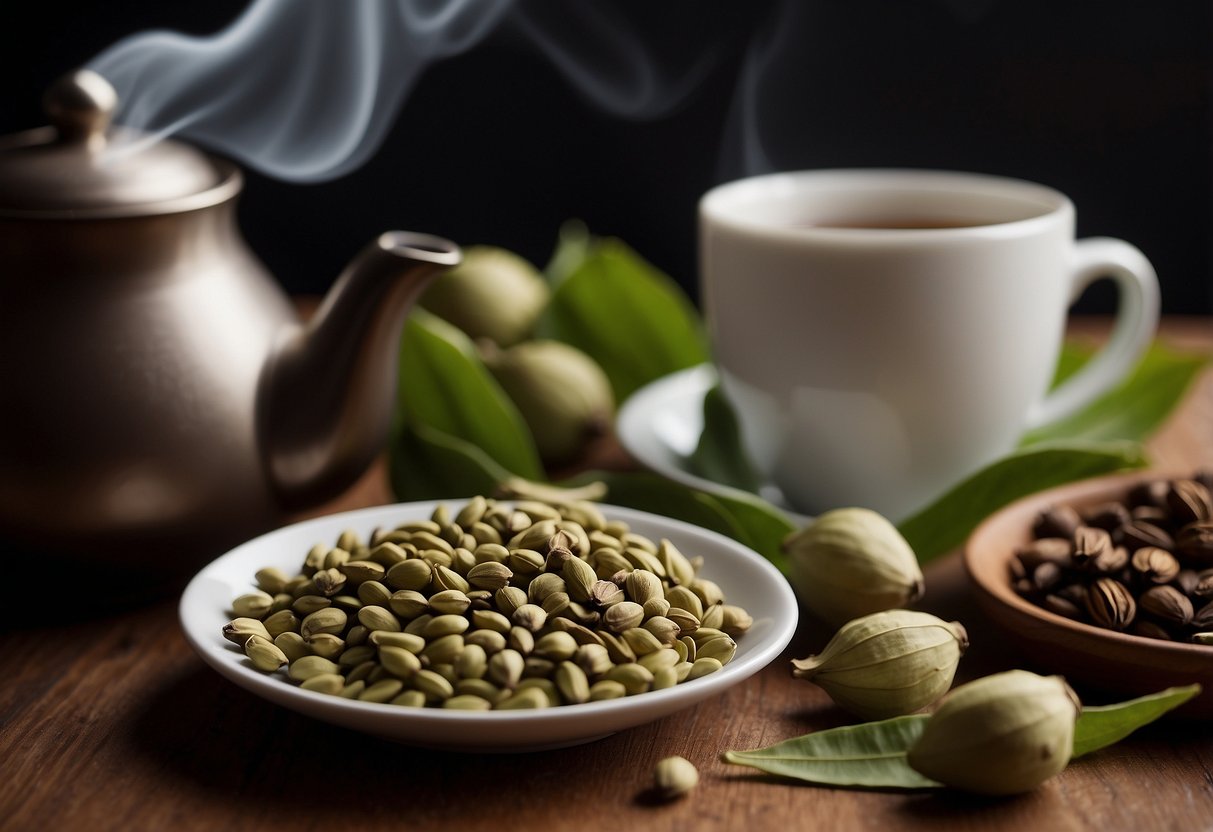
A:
x: 1086, y: 655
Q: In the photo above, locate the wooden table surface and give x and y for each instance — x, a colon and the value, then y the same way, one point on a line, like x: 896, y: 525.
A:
x: 114, y: 723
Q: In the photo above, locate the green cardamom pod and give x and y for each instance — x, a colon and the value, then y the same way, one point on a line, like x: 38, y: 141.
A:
x: 852, y: 562
x: 326, y: 644
x: 305, y: 667
x: 490, y: 575
x: 999, y: 735
x: 623, y: 616
x: 398, y: 661
x: 610, y: 562
x: 330, y: 683
x: 674, y: 777
x: 677, y: 567
x: 635, y: 678
x: 292, y: 645
x: 592, y: 658
x: 703, y: 667
x: 562, y: 393
x: 468, y: 702
x: 406, y: 603
x: 494, y: 294
x: 656, y: 607
x: 682, y: 598
x: 239, y: 630
x: 886, y: 664
x: 556, y: 646
x: 607, y: 689
x: 472, y: 662
x: 414, y: 574
x: 253, y: 604
x: 377, y: 618
x: 327, y: 620
x: 572, y: 683
x: 525, y: 699
x: 263, y: 654
x: 641, y: 585
x: 271, y: 579
x: 283, y: 621
x: 530, y: 616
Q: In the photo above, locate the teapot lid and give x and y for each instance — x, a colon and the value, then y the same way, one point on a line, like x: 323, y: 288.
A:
x: 81, y: 167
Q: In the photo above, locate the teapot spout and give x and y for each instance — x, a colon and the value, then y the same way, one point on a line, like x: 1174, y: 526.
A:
x: 327, y: 391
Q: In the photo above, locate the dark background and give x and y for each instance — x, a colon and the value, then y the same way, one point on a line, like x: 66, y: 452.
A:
x: 1109, y: 102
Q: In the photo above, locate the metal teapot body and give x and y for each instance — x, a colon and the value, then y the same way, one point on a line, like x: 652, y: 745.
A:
x: 160, y: 398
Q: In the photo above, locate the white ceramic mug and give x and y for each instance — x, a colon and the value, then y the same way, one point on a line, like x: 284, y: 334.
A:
x: 884, y: 333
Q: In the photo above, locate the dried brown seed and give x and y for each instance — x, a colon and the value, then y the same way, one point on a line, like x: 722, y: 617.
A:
x: 1089, y: 544
x: 1148, y: 629
x: 1202, y: 619
x: 1151, y: 514
x: 1155, y: 566
x: 1056, y: 522
x: 1189, y: 502
x: 1075, y: 593
x: 1045, y: 550
x: 1194, y: 543
x: 1111, y: 561
x: 1202, y: 587
x: 1110, y: 604
x: 1107, y: 516
x: 1166, y: 603
x: 1152, y: 493
x: 1063, y: 607
x: 1046, y: 576
x: 1140, y: 533
x: 1187, y: 580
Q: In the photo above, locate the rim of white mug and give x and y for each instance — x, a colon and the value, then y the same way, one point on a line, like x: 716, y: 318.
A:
x: 724, y: 204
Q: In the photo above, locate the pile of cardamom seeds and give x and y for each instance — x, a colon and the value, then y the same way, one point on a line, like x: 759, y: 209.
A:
x: 497, y: 605
x: 1142, y: 565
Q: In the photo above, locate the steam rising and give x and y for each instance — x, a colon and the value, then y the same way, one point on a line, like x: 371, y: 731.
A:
x: 307, y: 90
x: 300, y: 89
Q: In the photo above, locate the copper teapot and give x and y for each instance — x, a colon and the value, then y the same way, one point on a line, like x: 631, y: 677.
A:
x: 161, y: 400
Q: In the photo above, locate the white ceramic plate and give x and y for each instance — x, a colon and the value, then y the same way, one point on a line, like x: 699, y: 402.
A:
x: 745, y: 577
x: 660, y: 424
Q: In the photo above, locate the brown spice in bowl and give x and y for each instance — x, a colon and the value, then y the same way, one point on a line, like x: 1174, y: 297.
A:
x: 1142, y: 565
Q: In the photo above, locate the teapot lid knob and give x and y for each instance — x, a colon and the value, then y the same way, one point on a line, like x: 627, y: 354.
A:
x: 80, y: 105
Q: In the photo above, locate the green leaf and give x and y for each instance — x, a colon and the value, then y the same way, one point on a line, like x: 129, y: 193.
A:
x: 719, y: 455
x: 748, y: 520
x: 629, y: 317
x: 428, y: 464
x: 871, y: 756
x: 943, y: 525
x: 1102, y: 725
x: 1072, y: 358
x: 1133, y: 409
x: 445, y: 386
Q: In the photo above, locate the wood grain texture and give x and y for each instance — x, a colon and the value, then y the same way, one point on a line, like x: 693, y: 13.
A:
x: 112, y: 723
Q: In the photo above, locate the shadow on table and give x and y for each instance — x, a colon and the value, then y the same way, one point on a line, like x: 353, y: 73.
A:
x: 224, y: 744
x: 105, y: 590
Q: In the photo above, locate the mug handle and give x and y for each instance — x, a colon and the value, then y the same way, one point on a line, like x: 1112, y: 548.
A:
x: 1136, y: 321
